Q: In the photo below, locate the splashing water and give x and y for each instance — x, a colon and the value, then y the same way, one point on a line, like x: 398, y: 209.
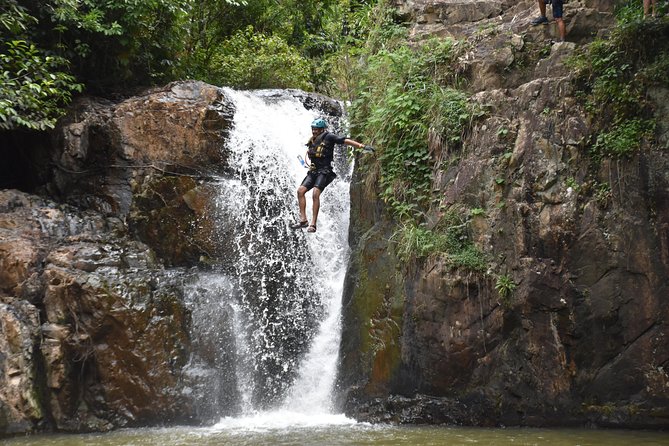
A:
x: 269, y: 322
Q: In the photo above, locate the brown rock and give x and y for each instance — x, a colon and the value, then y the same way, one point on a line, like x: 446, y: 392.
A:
x: 19, y: 396
x: 143, y: 158
x: 112, y: 343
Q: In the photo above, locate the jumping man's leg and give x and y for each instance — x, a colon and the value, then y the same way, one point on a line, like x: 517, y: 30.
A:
x: 302, y: 202
x: 316, y: 196
x: 323, y: 179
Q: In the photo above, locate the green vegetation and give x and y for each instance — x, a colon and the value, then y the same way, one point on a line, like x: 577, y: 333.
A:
x: 505, y: 287
x: 407, y: 98
x: 571, y: 182
x: 450, y: 239
x: 52, y: 49
x: 254, y: 60
x: 406, y: 106
x: 624, y: 138
x: 33, y: 89
x: 614, y: 76
x: 477, y: 212
x: 34, y: 86
x: 602, y: 194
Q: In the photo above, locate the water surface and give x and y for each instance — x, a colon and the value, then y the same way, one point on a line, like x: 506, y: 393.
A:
x: 337, y: 430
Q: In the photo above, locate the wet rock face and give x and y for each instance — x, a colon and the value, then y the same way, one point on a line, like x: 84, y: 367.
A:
x: 581, y: 337
x: 94, y: 331
x: 19, y: 400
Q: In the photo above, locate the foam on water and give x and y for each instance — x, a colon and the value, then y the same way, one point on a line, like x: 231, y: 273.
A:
x: 280, y: 419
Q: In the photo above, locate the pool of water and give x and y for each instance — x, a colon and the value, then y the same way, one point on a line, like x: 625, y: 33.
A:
x: 294, y: 429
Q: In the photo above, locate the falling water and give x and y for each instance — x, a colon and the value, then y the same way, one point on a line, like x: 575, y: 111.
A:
x: 266, y: 324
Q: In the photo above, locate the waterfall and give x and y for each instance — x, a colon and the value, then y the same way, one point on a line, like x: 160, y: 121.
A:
x: 266, y: 322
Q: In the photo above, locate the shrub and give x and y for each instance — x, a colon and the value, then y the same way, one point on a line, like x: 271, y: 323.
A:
x: 407, y: 111
x: 623, y: 139
x: 254, y: 60
x: 505, y: 286
x: 450, y: 239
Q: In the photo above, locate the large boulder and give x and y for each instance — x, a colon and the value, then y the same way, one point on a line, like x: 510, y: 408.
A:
x: 96, y: 329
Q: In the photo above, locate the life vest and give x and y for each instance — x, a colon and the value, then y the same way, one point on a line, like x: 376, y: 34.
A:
x: 320, y: 153
x: 317, y: 148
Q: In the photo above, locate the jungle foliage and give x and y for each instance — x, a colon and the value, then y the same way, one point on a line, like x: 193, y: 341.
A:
x: 51, y: 49
x: 407, y: 101
x: 408, y: 98
x: 34, y: 85
x: 450, y: 239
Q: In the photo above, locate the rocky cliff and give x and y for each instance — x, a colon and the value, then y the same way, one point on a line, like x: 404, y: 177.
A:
x: 568, y: 324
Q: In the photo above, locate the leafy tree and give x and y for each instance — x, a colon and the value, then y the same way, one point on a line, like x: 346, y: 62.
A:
x: 33, y: 85
x: 211, y: 31
x: 203, y: 26
x: 112, y: 44
x: 51, y: 49
x: 253, y: 60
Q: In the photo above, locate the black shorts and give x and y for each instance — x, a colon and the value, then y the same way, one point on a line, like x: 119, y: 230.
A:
x: 319, y: 179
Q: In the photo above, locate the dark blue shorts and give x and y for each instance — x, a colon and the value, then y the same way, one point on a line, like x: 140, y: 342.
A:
x: 319, y: 179
x: 557, y: 9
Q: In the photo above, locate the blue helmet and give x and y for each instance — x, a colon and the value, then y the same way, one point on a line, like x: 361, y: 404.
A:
x: 319, y: 124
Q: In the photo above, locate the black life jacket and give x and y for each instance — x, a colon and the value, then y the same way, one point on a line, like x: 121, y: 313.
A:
x: 320, y: 153
x: 317, y: 147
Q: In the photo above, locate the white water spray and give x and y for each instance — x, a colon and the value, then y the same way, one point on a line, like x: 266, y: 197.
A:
x: 284, y: 279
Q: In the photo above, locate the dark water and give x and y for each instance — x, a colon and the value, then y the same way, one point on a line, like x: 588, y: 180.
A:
x: 348, y: 434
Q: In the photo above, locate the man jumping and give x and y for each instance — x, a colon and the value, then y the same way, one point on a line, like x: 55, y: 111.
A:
x: 320, y: 153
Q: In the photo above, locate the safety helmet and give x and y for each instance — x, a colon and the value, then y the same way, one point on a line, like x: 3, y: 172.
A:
x: 319, y: 123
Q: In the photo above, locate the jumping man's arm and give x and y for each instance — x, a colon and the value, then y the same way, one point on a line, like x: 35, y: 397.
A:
x: 351, y: 142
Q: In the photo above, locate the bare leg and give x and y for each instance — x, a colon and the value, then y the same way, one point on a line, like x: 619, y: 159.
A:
x: 562, y: 29
x: 542, y: 7
x: 647, y: 8
x: 316, y: 196
x: 302, y: 202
